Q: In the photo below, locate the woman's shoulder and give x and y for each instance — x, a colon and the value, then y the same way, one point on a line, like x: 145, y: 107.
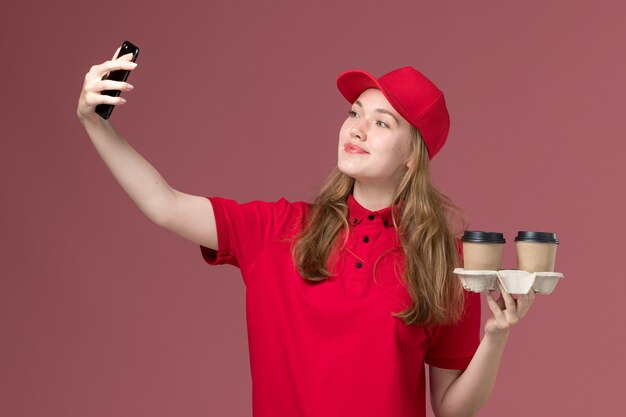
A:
x: 278, y: 208
x: 279, y: 201
x: 283, y: 202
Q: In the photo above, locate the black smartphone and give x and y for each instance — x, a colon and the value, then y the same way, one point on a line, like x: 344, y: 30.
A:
x: 104, y: 110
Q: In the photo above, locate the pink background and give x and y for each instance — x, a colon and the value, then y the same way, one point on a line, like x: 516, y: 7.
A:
x: 102, y: 313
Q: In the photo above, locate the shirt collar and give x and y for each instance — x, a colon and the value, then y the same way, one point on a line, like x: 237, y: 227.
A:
x: 357, y: 213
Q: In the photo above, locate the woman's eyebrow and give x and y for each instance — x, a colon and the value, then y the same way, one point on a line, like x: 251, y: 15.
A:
x: 358, y: 103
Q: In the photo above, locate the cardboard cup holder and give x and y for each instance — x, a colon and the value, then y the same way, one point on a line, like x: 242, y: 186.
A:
x: 513, y: 281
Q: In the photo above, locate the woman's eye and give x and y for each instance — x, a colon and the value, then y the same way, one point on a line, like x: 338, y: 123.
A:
x: 352, y: 113
x: 382, y: 124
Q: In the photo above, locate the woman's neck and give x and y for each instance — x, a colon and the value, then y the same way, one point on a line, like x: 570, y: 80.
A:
x: 371, y: 197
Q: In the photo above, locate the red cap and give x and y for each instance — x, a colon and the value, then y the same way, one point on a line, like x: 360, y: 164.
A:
x: 413, y: 95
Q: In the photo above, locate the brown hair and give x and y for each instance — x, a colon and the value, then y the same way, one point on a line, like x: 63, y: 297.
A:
x: 424, y: 223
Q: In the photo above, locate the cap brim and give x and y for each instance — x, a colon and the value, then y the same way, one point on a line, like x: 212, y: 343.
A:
x: 352, y: 83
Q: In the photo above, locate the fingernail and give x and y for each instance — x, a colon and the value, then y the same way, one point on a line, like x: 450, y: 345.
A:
x: 123, y: 101
x: 130, y: 86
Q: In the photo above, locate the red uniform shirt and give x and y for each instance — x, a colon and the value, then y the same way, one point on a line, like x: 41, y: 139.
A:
x: 332, y: 349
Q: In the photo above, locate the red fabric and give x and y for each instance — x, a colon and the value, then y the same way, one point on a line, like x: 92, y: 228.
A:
x: 332, y: 349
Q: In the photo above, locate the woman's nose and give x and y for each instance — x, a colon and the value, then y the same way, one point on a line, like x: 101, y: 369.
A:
x: 357, y: 132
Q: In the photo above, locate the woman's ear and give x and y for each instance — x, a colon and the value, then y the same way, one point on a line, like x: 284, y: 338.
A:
x: 413, y: 150
x: 411, y: 160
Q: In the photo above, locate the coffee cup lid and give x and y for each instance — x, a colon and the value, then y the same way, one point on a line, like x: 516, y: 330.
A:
x: 541, y: 237
x: 476, y: 236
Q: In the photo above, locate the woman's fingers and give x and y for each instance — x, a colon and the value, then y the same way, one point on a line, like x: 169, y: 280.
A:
x: 127, y: 57
x: 112, y: 85
x: 509, y: 301
x: 507, y: 311
x: 117, y: 51
x: 105, y: 99
x: 494, y: 306
x: 524, y: 302
x: 91, y: 94
x: 500, y: 302
x: 95, y: 84
x: 123, y: 63
x: 92, y: 100
x: 522, y: 305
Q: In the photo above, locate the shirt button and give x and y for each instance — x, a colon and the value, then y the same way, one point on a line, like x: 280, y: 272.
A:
x: 354, y: 221
x: 386, y: 223
x: 371, y: 217
x: 366, y: 239
x: 359, y: 264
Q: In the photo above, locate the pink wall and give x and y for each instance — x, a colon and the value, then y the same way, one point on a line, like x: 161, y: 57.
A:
x: 104, y: 313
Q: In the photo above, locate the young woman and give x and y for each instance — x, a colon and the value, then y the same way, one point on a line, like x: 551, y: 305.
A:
x: 346, y: 297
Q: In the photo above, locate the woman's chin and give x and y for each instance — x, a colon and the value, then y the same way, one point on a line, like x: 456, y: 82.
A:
x: 355, y: 175
x: 348, y: 170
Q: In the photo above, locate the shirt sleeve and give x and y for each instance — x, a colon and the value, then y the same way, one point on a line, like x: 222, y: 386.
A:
x: 243, y: 229
x: 453, y: 346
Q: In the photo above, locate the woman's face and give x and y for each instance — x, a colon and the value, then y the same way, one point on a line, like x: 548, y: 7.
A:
x: 384, y: 139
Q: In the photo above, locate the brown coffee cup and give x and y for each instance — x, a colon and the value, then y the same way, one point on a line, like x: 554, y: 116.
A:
x: 482, y: 250
x: 536, y: 251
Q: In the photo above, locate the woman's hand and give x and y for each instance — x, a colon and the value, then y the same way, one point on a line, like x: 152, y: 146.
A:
x: 90, y: 96
x: 507, y: 311
x: 465, y: 394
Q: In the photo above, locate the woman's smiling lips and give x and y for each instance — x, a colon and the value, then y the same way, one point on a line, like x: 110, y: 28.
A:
x: 350, y: 148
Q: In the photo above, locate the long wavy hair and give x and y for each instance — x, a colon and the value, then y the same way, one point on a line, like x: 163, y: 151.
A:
x: 424, y: 219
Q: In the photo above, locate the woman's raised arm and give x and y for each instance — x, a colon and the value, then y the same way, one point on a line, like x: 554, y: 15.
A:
x: 188, y: 216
